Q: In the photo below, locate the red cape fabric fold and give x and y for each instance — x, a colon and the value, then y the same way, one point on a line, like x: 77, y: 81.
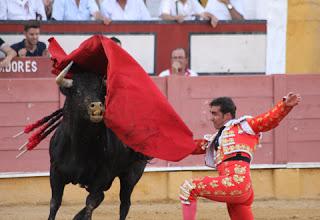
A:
x: 137, y: 112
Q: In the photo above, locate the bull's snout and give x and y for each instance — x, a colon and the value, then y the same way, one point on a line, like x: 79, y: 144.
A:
x: 96, y: 110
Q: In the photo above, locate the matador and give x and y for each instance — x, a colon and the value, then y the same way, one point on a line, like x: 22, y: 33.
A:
x: 231, y: 150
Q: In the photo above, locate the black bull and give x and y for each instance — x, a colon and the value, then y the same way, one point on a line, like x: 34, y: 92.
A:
x: 84, y: 151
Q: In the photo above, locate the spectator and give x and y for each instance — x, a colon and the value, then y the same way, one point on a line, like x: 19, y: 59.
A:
x: 22, y: 10
x: 79, y: 10
x: 179, y: 63
x: 180, y: 10
x: 10, y: 54
x: 226, y: 9
x: 125, y: 10
x: 48, y: 8
x: 116, y: 40
x: 203, y: 3
x: 31, y: 46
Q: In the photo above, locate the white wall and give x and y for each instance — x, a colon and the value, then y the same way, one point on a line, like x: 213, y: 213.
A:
x: 234, y: 53
x: 145, y: 55
x: 275, y: 12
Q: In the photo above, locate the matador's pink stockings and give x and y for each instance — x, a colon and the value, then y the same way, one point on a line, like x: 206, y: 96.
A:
x: 189, y: 211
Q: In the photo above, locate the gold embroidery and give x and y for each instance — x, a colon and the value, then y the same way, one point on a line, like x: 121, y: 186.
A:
x: 238, y: 179
x: 259, y: 119
x: 204, y: 192
x: 228, y: 133
x: 227, y: 172
x: 237, y: 147
x: 239, y: 169
x: 236, y: 192
x: 227, y: 182
x: 214, y: 183
x: 220, y: 193
x: 201, y: 185
x: 227, y: 141
x: 248, y: 186
x: 240, y: 131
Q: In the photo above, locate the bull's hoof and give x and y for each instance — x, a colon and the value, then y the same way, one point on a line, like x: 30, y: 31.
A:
x: 82, y: 215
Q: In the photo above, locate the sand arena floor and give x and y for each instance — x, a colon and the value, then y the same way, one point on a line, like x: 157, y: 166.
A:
x: 263, y: 210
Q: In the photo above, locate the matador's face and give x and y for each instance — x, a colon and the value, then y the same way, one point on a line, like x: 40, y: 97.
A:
x: 218, y: 118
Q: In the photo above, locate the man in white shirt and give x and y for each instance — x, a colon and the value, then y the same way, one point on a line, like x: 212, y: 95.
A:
x: 179, y: 64
x: 8, y: 51
x: 226, y: 9
x: 22, y: 10
x: 125, y: 10
x: 180, y: 10
x: 77, y: 10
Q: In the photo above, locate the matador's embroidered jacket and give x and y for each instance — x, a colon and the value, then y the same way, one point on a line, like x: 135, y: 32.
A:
x: 233, y: 185
x: 240, y: 135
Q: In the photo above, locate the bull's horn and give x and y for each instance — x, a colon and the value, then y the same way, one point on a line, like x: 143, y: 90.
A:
x: 61, y: 81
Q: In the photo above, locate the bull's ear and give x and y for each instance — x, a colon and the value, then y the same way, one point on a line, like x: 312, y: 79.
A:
x: 65, y: 91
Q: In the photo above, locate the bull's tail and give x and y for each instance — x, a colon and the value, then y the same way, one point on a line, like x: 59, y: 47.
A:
x: 44, y: 127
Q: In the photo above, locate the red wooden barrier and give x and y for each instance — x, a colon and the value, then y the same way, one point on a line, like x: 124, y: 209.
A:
x: 297, y: 139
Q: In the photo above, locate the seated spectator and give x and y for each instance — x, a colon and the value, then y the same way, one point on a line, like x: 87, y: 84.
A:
x: 9, y: 52
x: 22, y: 10
x: 125, y: 10
x: 179, y: 63
x: 77, y: 10
x: 48, y: 8
x: 116, y: 40
x: 31, y: 46
x: 226, y: 9
x: 203, y: 2
x: 180, y: 10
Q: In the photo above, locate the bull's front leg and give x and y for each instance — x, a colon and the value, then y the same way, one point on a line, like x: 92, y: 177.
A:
x: 92, y: 202
x: 127, y: 183
x: 57, y: 187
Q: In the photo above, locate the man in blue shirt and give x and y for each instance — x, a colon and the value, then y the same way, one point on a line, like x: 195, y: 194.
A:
x: 31, y: 46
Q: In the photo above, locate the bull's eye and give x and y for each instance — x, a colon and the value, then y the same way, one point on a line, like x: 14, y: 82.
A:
x: 101, y: 105
x: 92, y: 105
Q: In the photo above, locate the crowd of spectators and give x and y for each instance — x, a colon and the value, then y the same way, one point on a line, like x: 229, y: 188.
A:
x: 108, y: 10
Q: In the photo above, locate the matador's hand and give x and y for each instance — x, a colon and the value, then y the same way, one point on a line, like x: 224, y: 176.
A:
x: 292, y: 99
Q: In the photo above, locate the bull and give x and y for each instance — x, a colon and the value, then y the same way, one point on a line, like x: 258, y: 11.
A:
x: 84, y: 151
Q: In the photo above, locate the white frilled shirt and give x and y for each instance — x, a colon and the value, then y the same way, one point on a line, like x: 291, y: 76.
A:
x: 134, y: 10
x: 221, y: 11
x: 21, y: 9
x: 167, y: 72
x: 67, y: 10
x: 176, y: 7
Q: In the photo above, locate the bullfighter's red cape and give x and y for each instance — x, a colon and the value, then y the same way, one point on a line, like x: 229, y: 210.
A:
x: 137, y: 112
